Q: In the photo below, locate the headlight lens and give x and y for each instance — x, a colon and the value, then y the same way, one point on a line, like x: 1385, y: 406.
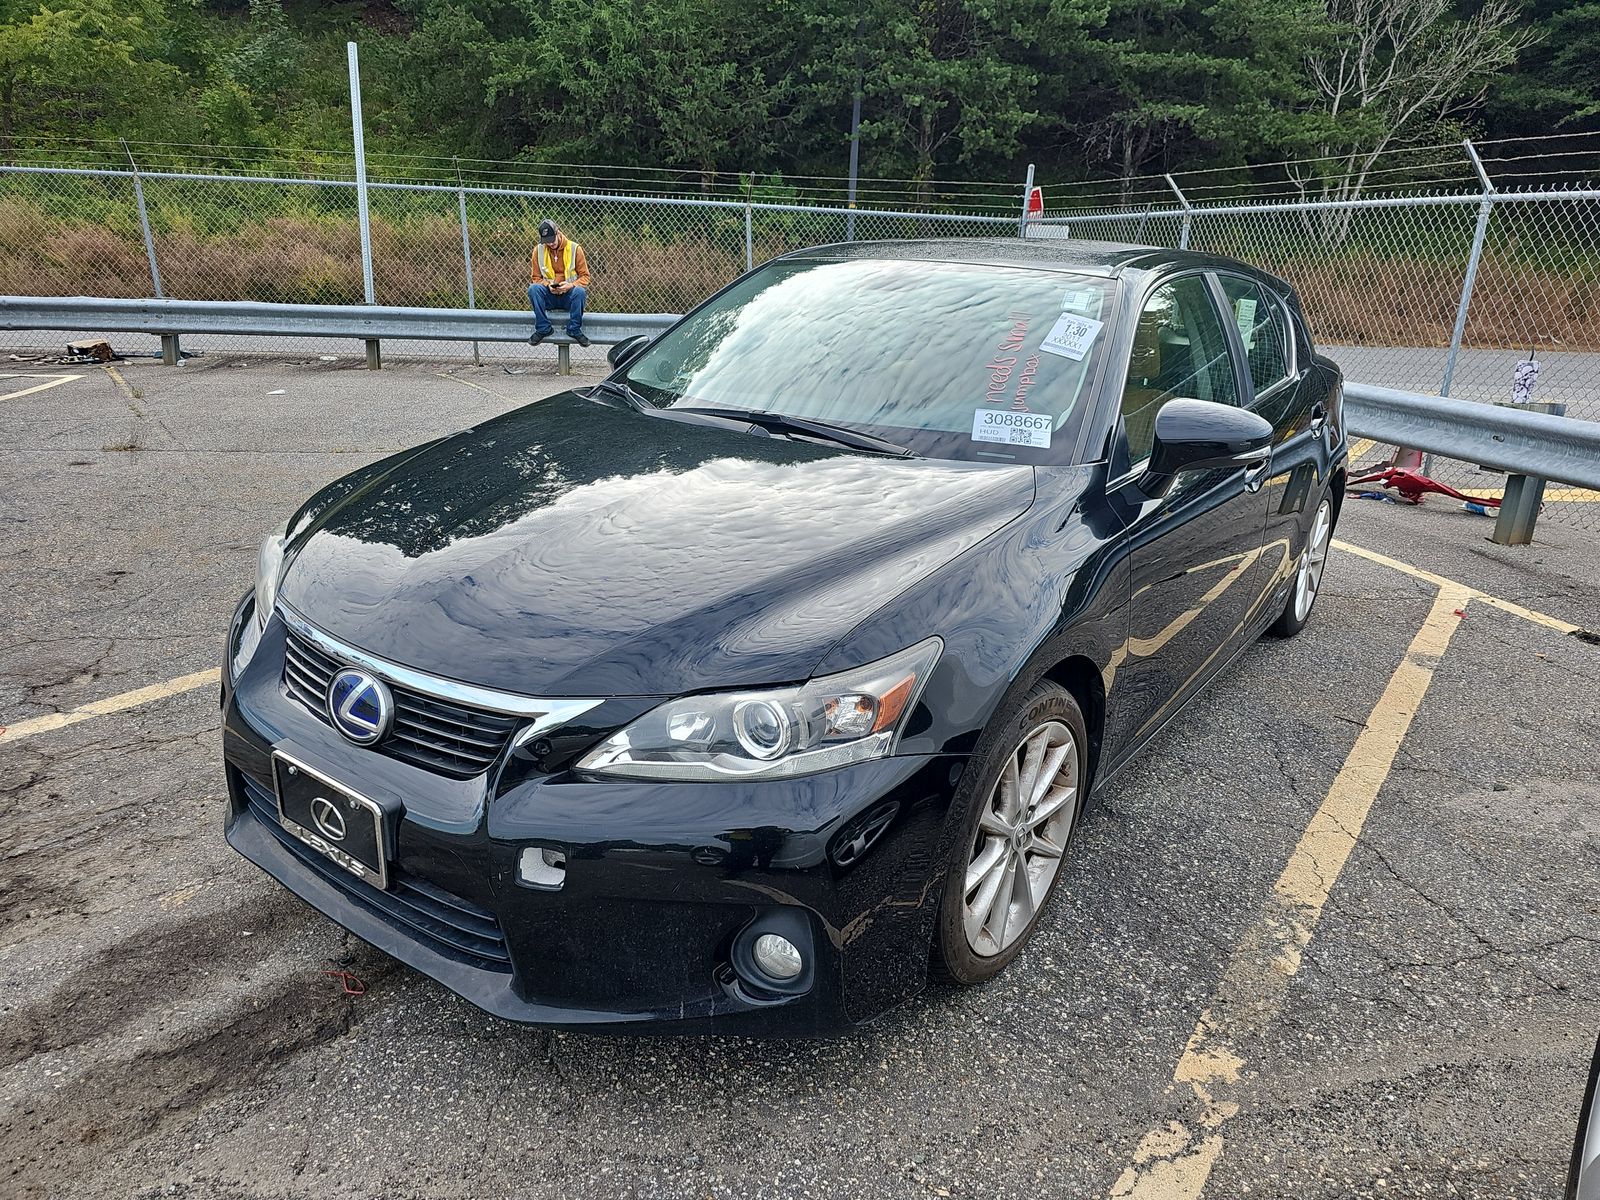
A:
x: 828, y: 722
x: 269, y: 569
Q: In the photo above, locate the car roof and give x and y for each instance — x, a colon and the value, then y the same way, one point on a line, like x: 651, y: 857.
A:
x: 1049, y: 254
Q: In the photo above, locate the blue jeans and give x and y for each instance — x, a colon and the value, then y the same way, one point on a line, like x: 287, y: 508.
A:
x: 542, y: 298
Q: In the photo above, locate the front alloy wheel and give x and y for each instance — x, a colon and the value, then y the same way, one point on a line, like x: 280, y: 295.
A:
x: 1024, y: 799
x: 1021, y: 837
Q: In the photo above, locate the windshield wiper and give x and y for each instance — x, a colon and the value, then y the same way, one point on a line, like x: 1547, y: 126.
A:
x: 626, y: 394
x: 784, y: 423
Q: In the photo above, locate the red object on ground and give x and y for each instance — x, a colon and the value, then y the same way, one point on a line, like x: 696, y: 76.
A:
x: 1412, y: 486
x: 352, y: 984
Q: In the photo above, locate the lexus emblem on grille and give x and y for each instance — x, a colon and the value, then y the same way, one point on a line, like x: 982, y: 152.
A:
x: 360, y: 706
x: 328, y: 818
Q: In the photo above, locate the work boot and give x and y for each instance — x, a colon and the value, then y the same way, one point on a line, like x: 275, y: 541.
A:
x: 582, y: 339
x: 538, y: 338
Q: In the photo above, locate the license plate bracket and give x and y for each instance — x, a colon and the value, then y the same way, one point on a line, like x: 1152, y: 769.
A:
x: 343, y: 826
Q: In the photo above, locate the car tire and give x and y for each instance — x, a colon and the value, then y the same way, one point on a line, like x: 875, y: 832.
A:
x: 1307, y: 574
x: 1014, y: 835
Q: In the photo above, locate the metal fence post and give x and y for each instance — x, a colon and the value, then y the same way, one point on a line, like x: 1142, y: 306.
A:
x: 1183, y: 233
x: 1027, y: 191
x: 1485, y: 208
x: 171, y: 353
x: 466, y: 251
x: 749, y: 229
x: 374, y: 358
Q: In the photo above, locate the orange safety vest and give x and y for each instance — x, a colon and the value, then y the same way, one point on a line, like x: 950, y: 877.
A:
x: 568, y: 254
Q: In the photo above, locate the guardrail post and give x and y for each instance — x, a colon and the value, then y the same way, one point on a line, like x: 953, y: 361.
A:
x: 374, y: 356
x: 1183, y: 233
x: 563, y: 358
x: 1519, y: 509
x: 171, y: 353
x: 1485, y: 208
x: 1523, y: 497
x: 144, y: 223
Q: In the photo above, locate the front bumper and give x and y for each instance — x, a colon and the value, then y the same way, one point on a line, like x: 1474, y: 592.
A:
x: 661, y: 879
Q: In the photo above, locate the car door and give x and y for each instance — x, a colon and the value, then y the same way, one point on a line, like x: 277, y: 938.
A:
x: 1197, y: 581
x: 1292, y: 396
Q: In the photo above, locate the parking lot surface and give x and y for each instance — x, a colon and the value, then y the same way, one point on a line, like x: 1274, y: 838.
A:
x: 1356, y: 956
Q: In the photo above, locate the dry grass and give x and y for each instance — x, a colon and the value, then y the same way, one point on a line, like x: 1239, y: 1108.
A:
x: 1354, y: 299
x: 1368, y: 301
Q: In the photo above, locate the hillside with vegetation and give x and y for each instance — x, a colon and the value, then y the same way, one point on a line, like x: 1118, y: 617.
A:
x: 950, y: 89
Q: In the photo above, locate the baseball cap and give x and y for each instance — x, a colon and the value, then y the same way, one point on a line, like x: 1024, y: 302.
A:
x: 547, y: 232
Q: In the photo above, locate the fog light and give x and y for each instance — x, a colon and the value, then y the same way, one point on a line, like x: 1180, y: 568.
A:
x: 542, y: 867
x: 777, y: 956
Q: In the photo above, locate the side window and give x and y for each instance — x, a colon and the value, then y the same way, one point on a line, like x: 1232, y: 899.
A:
x: 1179, y: 349
x: 1263, y: 328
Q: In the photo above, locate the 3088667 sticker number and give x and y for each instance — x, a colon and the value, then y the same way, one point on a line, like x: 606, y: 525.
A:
x: 1012, y: 428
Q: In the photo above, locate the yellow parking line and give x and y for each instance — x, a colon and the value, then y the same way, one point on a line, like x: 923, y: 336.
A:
x: 111, y: 704
x: 1439, y: 581
x: 1552, y: 495
x: 1174, y: 1160
x: 53, y: 381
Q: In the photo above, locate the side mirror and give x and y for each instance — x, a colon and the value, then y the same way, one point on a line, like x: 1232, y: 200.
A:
x: 1200, y: 435
x: 628, y: 349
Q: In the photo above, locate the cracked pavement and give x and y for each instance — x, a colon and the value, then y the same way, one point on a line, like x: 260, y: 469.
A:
x: 166, y: 1026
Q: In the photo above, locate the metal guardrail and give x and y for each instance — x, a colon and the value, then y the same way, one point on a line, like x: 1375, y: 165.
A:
x: 372, y: 324
x: 1531, y: 447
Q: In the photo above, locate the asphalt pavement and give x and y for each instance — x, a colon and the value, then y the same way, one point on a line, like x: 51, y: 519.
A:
x: 1410, y: 789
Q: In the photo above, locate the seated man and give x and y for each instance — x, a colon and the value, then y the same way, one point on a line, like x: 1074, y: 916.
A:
x: 560, y: 274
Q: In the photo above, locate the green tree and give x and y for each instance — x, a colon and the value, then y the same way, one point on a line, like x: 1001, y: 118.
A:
x: 1556, y: 85
x: 1187, y: 82
x: 87, y: 68
x: 943, y: 82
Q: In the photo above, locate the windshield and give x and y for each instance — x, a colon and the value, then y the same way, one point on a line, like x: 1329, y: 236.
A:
x: 952, y: 360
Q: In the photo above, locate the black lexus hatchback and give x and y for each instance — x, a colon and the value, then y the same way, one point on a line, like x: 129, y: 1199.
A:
x: 743, y: 689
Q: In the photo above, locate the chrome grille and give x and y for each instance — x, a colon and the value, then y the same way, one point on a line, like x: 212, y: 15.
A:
x: 440, y: 735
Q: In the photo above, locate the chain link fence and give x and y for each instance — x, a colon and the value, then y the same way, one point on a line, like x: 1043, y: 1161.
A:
x: 1448, y: 293
x: 1445, y: 291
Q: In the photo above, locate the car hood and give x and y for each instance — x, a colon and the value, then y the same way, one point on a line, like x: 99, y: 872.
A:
x: 571, y: 548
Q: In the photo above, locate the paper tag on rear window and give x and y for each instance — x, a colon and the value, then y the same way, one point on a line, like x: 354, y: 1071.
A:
x: 1071, y: 336
x: 1012, y: 428
x: 1244, y: 312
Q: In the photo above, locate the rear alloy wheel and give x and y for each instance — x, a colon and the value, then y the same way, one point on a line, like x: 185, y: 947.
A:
x: 1308, y: 575
x: 1016, y: 833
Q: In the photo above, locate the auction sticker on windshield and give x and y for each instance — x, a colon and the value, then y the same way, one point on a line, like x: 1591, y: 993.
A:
x: 1012, y: 428
x: 1071, y: 336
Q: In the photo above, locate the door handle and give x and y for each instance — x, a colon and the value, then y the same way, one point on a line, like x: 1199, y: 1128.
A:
x: 1319, y: 417
x: 1255, y: 474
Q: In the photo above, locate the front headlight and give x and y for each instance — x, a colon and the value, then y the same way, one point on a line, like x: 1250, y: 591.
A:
x: 780, y: 732
x: 269, y: 569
